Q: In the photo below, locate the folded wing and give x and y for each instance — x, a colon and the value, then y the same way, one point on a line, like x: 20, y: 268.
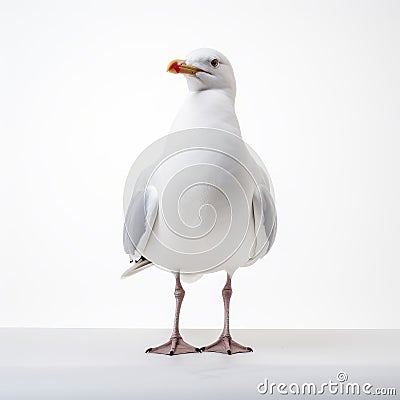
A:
x: 265, y: 218
x: 139, y: 220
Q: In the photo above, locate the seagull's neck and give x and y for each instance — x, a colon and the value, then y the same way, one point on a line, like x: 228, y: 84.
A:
x: 213, y: 108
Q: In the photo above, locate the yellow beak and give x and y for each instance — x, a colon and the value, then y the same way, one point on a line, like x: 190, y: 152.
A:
x: 180, y: 67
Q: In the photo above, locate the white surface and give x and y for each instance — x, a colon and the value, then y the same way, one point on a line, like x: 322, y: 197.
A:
x: 83, y: 89
x: 111, y: 364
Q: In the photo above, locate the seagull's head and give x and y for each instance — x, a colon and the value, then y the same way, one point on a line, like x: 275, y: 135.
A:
x: 205, y: 69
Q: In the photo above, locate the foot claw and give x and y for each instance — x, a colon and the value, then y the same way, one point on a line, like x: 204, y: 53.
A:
x: 250, y: 349
x: 198, y: 350
x: 229, y: 352
x: 202, y: 348
x: 171, y: 353
x: 149, y: 350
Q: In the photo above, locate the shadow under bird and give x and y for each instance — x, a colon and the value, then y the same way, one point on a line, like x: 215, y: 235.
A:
x: 209, y: 104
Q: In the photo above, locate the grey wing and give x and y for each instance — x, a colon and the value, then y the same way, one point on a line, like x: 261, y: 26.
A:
x: 265, y: 221
x: 139, y: 220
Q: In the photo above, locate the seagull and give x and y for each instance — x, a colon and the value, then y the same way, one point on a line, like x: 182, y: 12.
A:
x: 210, y: 104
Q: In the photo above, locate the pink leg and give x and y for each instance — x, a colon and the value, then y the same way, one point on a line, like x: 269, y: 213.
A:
x: 225, y: 344
x: 175, y: 345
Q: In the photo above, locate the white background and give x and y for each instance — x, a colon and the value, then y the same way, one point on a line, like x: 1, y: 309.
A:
x: 83, y: 90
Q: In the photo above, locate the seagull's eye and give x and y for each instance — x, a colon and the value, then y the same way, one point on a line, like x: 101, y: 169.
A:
x: 214, y: 62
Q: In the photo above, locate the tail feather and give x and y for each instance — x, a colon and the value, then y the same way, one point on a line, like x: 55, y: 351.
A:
x: 190, y: 278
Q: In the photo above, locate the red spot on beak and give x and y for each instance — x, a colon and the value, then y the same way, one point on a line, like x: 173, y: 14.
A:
x: 175, y: 66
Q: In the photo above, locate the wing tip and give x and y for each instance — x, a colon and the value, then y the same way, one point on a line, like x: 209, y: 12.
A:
x: 140, y: 265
